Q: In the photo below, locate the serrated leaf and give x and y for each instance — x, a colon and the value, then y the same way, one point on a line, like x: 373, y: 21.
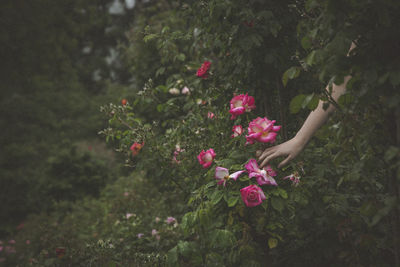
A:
x: 216, y: 197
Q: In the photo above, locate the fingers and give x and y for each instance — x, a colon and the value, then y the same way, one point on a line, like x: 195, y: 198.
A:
x: 258, y: 153
x: 270, y: 157
x: 285, y: 161
x: 266, y: 153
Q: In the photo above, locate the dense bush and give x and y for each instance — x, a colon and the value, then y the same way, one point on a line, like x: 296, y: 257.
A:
x: 189, y: 61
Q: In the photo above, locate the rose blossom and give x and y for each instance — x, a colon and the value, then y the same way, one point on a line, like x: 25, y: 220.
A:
x: 263, y: 176
x: 136, y: 147
x: 206, y: 157
x: 174, y: 91
x: 157, y: 219
x: 210, y: 115
x: 178, y: 150
x: 262, y: 130
x: 252, y: 195
x: 185, y: 91
x: 240, y: 104
x: 222, y: 175
x: 202, y: 71
x: 237, y: 130
x: 140, y: 235
x: 294, y: 177
x: 170, y: 220
x: 128, y: 215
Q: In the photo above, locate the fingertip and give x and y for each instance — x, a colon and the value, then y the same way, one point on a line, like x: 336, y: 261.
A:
x: 258, y: 153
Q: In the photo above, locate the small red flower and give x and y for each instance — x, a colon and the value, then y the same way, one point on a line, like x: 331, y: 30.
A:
x: 124, y: 101
x: 60, y: 252
x: 202, y: 72
x: 136, y: 147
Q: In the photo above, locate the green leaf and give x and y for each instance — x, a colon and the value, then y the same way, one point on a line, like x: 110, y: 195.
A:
x: 181, y: 57
x: 216, y: 197
x: 232, y: 199
x: 277, y: 204
x: 291, y: 73
x: 310, y: 59
x: 306, y: 42
x: 222, y: 238
x: 296, y: 103
x: 391, y: 153
x: 272, y: 242
x: 172, y: 257
x: 150, y: 37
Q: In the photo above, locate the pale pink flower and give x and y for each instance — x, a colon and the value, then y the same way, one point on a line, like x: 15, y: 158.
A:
x: 128, y: 215
x: 206, y: 157
x: 157, y: 219
x: 126, y: 194
x: 222, y: 175
x: 170, y: 220
x: 176, y: 153
x: 252, y: 195
x: 262, y: 130
x: 210, y: 115
x: 174, y: 91
x: 294, y: 177
x: 263, y: 176
x: 140, y: 235
x: 241, y: 104
x: 185, y: 91
x: 237, y: 130
x: 1, y: 248
x: 154, y: 232
x: 12, y: 241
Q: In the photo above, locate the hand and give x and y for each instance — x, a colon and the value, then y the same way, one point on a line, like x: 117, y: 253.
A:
x: 290, y: 149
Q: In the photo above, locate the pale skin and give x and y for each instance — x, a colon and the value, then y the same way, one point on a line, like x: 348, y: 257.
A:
x: 291, y: 148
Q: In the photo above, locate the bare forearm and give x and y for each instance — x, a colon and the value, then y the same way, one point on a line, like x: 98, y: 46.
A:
x: 319, y: 116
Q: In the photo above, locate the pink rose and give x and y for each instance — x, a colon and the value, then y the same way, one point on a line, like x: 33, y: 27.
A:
x: 262, y: 130
x: 185, y: 91
x: 128, y: 215
x: 136, y: 147
x: 222, y: 175
x: 140, y: 235
x: 263, y: 176
x: 240, y: 104
x: 170, y: 220
x: 210, y: 115
x: 206, y: 157
x: 252, y: 195
x: 202, y: 72
x: 294, y: 177
x: 237, y: 130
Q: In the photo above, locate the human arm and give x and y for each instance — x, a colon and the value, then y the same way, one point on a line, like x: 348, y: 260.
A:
x: 314, y: 121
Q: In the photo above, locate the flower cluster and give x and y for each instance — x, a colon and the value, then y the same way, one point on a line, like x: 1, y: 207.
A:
x: 202, y: 72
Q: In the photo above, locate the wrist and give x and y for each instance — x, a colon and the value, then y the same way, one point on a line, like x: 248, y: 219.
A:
x: 301, y: 140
